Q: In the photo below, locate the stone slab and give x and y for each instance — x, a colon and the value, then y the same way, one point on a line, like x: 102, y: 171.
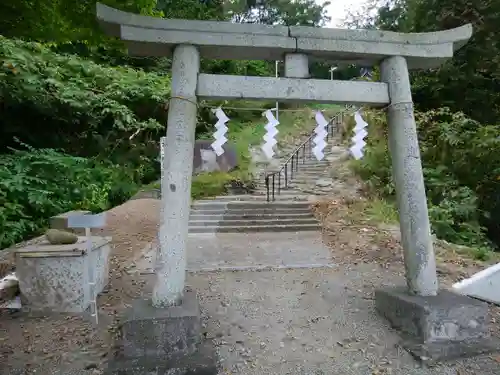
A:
x: 483, y: 285
x: 222, y: 87
x: 201, y: 362
x: 437, y: 328
x: 150, y: 36
x: 55, y: 278
x: 248, y: 250
x: 149, y: 332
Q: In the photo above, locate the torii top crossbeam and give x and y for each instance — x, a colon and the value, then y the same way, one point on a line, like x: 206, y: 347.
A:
x: 150, y: 36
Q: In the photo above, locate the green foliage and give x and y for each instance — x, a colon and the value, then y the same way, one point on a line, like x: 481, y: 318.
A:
x: 62, y: 20
x: 84, y: 107
x: 461, y: 169
x: 37, y: 184
x: 284, y: 12
x: 470, y: 82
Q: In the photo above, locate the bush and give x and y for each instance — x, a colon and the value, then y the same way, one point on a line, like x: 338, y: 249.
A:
x: 59, y: 101
x: 461, y: 166
x: 38, y: 184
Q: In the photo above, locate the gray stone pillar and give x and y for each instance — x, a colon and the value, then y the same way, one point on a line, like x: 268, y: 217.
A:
x: 296, y: 65
x: 170, y: 264
x: 419, y: 258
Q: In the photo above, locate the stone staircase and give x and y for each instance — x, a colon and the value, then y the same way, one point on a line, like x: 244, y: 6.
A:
x: 289, y: 212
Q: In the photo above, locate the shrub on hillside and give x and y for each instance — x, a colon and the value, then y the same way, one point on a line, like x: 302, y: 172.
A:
x: 461, y: 171
x: 59, y: 101
x: 37, y: 184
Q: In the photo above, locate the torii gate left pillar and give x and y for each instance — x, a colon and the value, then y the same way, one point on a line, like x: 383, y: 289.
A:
x: 405, y: 308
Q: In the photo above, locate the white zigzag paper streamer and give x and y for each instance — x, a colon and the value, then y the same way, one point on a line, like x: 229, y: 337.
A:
x: 358, y: 140
x: 219, y: 134
x: 321, y: 134
x: 271, y: 132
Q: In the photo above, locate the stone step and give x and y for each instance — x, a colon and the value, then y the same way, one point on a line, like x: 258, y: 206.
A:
x: 308, y: 163
x: 252, y: 223
x: 260, y: 196
x: 250, y: 205
x: 256, y: 228
x: 312, y: 177
x: 300, y: 169
x: 235, y: 215
x: 290, y: 186
x: 245, y: 211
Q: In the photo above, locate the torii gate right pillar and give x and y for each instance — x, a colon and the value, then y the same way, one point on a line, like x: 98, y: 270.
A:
x: 437, y: 324
x: 419, y: 258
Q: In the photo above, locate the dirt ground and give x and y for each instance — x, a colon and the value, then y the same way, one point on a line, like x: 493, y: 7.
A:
x: 62, y: 344
x: 354, y: 240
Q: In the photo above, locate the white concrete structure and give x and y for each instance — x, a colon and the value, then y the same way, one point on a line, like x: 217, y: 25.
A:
x: 187, y: 41
x: 484, y: 285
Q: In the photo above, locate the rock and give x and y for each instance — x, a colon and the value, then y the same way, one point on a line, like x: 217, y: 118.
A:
x: 345, y: 156
x: 60, y: 237
x: 337, y: 150
x: 9, y: 288
x: 324, y: 182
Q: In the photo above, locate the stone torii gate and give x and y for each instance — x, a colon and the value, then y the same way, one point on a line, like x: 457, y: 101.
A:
x: 186, y: 41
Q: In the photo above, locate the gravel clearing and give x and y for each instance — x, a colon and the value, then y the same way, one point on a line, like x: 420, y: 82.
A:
x: 302, y: 321
x: 309, y: 322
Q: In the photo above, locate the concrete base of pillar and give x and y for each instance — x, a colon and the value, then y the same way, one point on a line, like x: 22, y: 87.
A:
x: 156, y: 341
x: 202, y: 362
x: 438, y: 328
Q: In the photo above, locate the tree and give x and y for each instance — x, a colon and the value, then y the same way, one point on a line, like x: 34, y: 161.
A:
x: 474, y: 70
x: 279, y: 12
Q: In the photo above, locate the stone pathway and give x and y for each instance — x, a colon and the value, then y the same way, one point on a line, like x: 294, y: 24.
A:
x: 212, y: 252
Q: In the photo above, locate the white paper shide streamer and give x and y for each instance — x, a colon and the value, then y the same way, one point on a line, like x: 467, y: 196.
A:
x: 321, y: 133
x: 271, y: 132
x: 358, y: 140
x: 220, y: 132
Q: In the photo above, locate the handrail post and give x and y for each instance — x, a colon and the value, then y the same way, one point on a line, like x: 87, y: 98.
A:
x: 267, y: 187
x: 273, y: 187
x: 286, y: 175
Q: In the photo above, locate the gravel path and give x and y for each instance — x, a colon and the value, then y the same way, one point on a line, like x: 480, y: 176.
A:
x: 309, y: 322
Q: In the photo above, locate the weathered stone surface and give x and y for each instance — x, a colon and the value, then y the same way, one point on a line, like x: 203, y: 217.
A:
x: 437, y: 328
x: 324, y: 182
x: 202, y: 362
x: 225, y: 40
x: 150, y: 332
x: 54, y: 278
x: 60, y: 237
x: 176, y: 177
x: 205, y: 159
x: 295, y: 90
x: 9, y: 288
x: 161, y: 341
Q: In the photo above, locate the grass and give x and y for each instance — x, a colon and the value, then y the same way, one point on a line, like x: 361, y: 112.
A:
x: 380, y: 211
x: 376, y: 211
x: 244, y: 134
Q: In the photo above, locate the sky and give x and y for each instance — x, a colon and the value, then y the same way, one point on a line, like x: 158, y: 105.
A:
x: 337, y: 10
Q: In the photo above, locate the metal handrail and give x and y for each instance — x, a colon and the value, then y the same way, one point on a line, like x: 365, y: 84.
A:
x: 294, y: 160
